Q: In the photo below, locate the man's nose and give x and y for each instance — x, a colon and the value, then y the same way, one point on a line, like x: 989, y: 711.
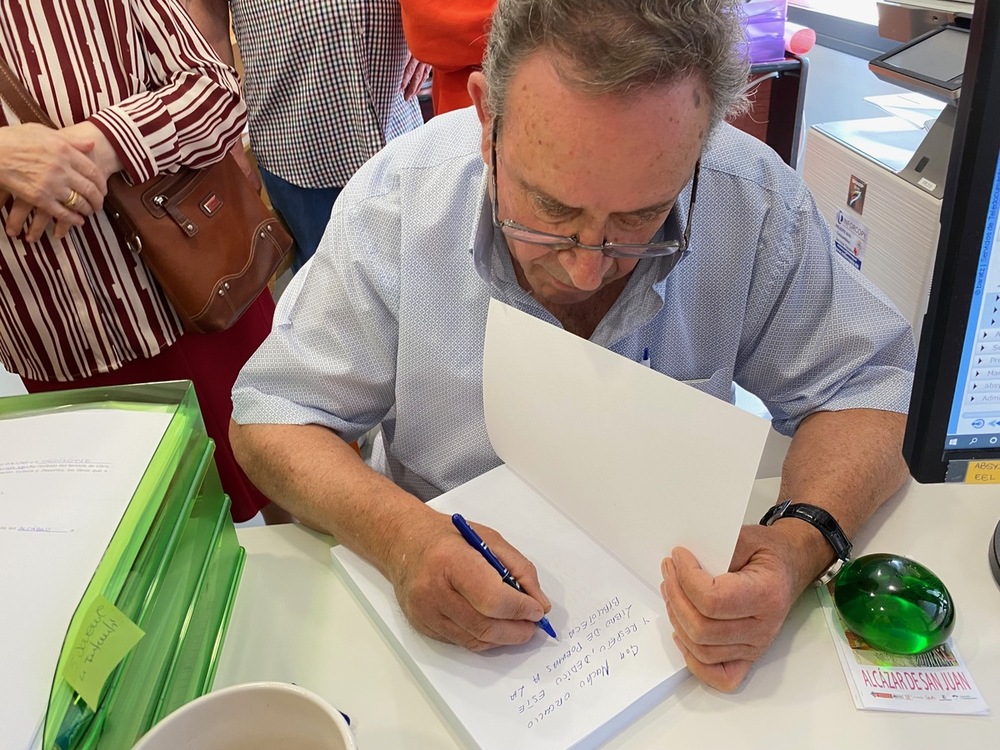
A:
x: 585, y: 268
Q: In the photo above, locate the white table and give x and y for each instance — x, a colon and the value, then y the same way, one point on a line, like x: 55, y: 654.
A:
x: 294, y: 621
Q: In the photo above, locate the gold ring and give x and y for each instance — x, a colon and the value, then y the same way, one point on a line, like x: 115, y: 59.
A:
x: 72, y: 201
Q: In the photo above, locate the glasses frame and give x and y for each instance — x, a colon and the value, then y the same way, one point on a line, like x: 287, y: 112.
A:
x: 521, y: 233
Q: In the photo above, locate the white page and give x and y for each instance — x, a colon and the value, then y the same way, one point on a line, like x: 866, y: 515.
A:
x: 66, y: 478
x: 614, y: 658
x: 641, y: 462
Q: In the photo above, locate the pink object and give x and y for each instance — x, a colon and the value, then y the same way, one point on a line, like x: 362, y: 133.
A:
x: 798, y: 39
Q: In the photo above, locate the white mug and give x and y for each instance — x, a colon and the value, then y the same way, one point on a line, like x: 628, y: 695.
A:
x: 253, y: 716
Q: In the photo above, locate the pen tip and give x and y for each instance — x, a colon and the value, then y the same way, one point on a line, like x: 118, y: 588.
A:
x: 545, y: 625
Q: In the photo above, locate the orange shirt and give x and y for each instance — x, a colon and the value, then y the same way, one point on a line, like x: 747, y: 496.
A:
x: 450, y: 36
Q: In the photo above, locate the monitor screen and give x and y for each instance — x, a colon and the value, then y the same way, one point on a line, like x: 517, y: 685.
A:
x: 932, y: 63
x: 955, y: 405
x: 939, y: 56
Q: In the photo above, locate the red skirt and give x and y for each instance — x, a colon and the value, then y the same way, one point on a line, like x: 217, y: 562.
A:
x: 211, y: 361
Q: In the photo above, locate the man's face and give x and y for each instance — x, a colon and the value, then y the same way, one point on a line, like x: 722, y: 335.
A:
x: 601, y: 169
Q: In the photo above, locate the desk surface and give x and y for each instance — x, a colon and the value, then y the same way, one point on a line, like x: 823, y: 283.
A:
x: 295, y: 621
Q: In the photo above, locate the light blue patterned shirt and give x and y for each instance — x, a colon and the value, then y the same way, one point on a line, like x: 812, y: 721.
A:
x: 386, y: 323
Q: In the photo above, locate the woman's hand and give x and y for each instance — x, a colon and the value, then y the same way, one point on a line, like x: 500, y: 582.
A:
x: 58, y: 175
x: 50, y: 172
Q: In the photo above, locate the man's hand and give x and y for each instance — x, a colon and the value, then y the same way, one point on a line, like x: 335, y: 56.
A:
x: 51, y: 172
x: 444, y: 587
x: 724, y: 624
x: 450, y: 593
x: 414, y: 75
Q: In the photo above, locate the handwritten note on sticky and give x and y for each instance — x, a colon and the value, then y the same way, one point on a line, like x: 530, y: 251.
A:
x: 105, y: 636
x: 983, y: 472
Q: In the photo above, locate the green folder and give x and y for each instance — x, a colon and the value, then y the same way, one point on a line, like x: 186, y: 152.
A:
x: 172, y: 567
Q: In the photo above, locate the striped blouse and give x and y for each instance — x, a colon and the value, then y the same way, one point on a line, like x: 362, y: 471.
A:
x: 143, y: 74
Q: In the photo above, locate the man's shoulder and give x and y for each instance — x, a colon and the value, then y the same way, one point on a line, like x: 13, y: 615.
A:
x: 446, y: 148
x: 453, y: 137
x: 737, y: 153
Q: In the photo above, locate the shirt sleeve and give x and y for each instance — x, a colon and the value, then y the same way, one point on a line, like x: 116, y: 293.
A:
x: 331, y: 356
x: 447, y: 34
x: 190, y: 113
x: 832, y: 341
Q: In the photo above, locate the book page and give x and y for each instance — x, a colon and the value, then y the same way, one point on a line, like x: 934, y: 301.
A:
x: 614, y: 658
x: 66, y: 478
x: 642, y: 462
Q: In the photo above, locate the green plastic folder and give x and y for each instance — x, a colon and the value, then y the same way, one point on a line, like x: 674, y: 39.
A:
x: 172, y: 568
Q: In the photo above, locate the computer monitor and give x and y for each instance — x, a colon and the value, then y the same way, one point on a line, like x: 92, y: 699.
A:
x: 955, y: 405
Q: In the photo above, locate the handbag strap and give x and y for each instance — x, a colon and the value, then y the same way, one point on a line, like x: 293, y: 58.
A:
x: 16, y: 95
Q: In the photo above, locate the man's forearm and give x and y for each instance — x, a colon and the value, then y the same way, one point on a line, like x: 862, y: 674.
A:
x: 310, y: 472
x: 848, y: 463
x: 212, y: 19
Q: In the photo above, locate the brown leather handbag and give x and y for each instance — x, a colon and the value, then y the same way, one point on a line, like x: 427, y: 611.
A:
x: 204, y: 234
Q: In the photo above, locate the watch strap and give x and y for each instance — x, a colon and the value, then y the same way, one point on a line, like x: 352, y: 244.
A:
x: 823, y: 522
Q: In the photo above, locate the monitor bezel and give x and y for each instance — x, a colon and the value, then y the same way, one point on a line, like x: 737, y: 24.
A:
x: 946, y: 90
x: 964, y: 213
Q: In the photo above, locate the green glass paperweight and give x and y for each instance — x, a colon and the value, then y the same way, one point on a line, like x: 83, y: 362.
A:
x: 894, y: 603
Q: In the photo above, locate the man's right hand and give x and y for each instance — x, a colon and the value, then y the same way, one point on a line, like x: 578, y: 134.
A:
x: 445, y: 587
x: 449, y: 592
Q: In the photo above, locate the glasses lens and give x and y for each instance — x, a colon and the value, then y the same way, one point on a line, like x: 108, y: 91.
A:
x: 653, y: 250
x: 557, y: 242
x: 537, y: 238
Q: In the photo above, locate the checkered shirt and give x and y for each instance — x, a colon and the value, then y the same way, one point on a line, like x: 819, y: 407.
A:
x: 322, y: 84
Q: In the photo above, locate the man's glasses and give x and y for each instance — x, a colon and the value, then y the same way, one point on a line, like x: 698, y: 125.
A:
x: 521, y: 233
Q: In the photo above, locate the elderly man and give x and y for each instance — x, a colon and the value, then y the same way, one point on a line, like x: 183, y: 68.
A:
x: 594, y: 185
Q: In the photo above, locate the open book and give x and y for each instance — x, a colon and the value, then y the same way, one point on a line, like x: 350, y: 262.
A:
x: 608, y: 466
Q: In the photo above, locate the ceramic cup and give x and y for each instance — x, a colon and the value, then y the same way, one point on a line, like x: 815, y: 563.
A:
x: 254, y: 716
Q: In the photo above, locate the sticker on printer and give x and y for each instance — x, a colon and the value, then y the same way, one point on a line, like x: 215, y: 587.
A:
x: 856, y: 194
x: 850, y: 237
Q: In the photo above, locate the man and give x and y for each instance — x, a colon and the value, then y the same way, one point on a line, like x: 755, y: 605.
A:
x: 567, y: 191
x: 327, y: 83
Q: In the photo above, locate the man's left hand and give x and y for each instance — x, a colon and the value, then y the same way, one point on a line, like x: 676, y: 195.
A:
x: 725, y: 623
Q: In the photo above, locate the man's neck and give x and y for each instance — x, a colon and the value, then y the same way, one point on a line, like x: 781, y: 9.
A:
x: 582, y: 318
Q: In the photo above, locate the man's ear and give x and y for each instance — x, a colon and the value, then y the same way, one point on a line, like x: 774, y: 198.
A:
x: 477, y: 91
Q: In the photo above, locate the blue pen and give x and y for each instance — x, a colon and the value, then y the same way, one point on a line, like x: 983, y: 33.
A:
x: 645, y: 357
x: 469, y: 534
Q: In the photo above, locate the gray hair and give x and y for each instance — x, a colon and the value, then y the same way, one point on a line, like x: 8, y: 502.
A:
x: 622, y: 47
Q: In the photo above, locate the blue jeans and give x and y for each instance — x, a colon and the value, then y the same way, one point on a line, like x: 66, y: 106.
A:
x: 306, y: 211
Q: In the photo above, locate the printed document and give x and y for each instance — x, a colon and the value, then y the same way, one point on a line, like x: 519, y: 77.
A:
x: 66, y: 478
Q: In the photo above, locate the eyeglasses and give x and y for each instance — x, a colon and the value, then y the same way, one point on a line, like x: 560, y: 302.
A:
x: 521, y: 233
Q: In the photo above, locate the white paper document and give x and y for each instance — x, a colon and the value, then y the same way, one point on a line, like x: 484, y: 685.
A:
x: 935, y: 682
x: 608, y: 466
x: 66, y: 478
x: 614, y: 646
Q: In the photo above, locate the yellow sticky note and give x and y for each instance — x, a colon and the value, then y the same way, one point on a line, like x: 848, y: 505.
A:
x: 104, y: 638
x: 983, y: 472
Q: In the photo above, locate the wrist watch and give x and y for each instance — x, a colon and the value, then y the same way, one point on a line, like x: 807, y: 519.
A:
x: 824, y: 523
